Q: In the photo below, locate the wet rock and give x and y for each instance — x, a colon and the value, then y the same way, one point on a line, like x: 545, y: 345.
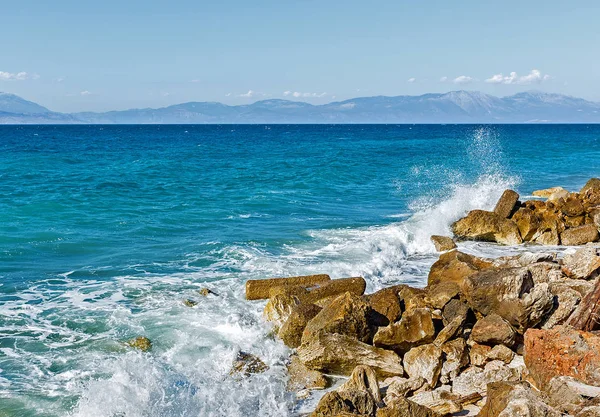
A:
x: 580, y: 235
x: 527, y: 223
x: 506, y: 204
x: 347, y: 314
x: 424, y: 362
x: 547, y: 192
x: 443, y: 243
x: 205, y: 292
x: 487, y: 226
x: 259, y: 289
x: 415, y: 328
x: 402, y: 407
x: 334, y: 288
x: 562, y: 351
x: 246, y: 364
x: 141, y: 343
x: 387, y: 303
x: 456, y: 358
x: 494, y: 330
x: 340, y: 354
x: 583, y: 264
x: 279, y: 307
x: 189, y: 303
x: 515, y: 399
x: 301, y: 378
x: 455, y: 266
x: 292, y: 329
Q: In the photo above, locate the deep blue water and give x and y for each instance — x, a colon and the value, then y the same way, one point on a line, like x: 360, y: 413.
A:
x: 105, y: 229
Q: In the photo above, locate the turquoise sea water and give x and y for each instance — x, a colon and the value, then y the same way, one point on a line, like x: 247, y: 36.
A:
x: 104, y: 230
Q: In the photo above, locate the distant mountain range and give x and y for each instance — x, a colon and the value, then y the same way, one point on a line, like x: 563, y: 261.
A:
x: 452, y: 107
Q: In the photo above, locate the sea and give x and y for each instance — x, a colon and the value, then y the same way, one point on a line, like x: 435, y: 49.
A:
x: 106, y: 230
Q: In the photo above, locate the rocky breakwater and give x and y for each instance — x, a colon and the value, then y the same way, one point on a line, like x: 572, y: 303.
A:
x: 558, y: 217
x: 513, y: 336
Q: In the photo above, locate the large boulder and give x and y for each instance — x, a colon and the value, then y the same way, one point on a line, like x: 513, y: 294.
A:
x: 514, y: 399
x: 443, y: 243
x: 494, y: 330
x: 438, y: 295
x: 301, y: 378
x: 292, y: 329
x: 569, y: 395
x: 562, y: 351
x: 259, y: 289
x: 363, y: 378
x: 386, y: 303
x: 547, y: 192
x: 487, y: 226
x: 593, y: 184
x: 583, y: 264
x: 527, y: 222
x: 340, y: 354
x: 549, y: 229
x: 476, y: 380
x: 280, y: 306
x: 347, y: 314
x: 580, y: 235
x: 572, y: 207
x: 455, y: 266
x: 424, y: 362
x: 415, y: 328
x: 506, y: 204
x: 328, y: 290
x: 511, y: 294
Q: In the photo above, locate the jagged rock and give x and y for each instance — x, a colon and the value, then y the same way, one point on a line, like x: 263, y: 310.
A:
x: 386, y: 303
x: 363, y: 378
x: 425, y: 362
x: 572, y: 207
x: 456, y: 358
x: 593, y: 184
x: 402, y: 407
x: 259, y: 289
x: 568, y: 394
x: 443, y: 243
x: 450, y: 331
x: 548, y: 238
x: 205, y: 292
x: 585, y: 317
x: 347, y: 314
x: 545, y: 272
x: 514, y: 399
x: 414, y: 328
x: 506, y: 204
x: 331, y: 405
x: 592, y: 411
x: 455, y: 266
x: 566, y: 300
x: 189, y: 303
x: 580, y: 235
x: 494, y: 330
x: 246, y: 364
x: 478, y: 354
x: 545, y: 193
x: 475, y: 379
x: 583, y: 264
x: 291, y: 331
x: 340, y: 354
x: 501, y: 353
x: 511, y: 294
x: 320, y: 293
x: 411, y: 298
x: 549, y: 229
x: 575, y: 221
x: 402, y: 387
x: 527, y: 223
x: 141, y: 343
x: 279, y: 307
x: 442, y: 401
x: 455, y: 308
x: 301, y: 378
x: 487, y: 226
x: 562, y: 351
x: 438, y: 295
x: 557, y: 195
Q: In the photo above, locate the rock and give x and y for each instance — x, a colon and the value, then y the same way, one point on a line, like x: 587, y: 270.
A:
x: 580, y: 235
x: 332, y: 404
x: 301, y: 378
x: 527, y: 223
x: 475, y: 379
x: 478, y: 354
x: 592, y: 411
x: 387, y: 303
x: 443, y: 243
x: 454, y: 267
x: 548, y: 192
x: 487, y: 226
x: 402, y: 407
x: 572, y: 207
x: 259, y: 289
x: 558, y: 195
x: 347, y: 314
x: 569, y: 395
x: 583, y: 264
x: 506, y: 204
x: 439, y: 294
x: 565, y: 302
x: 333, y: 288
x: 455, y: 358
x: 548, y: 238
x: 205, y: 292
x: 402, y: 387
x: 425, y: 362
x: 586, y: 315
x: 545, y: 272
x: 562, y: 351
x: 246, y: 364
x: 454, y: 308
x: 494, y: 330
x: 279, y: 307
x: 549, y: 228
x: 141, y: 343
x: 576, y: 221
x: 450, y: 331
x: 415, y: 328
x: 189, y: 303
x: 442, y: 401
x: 501, y: 353
x: 593, y: 184
x: 363, y: 378
x: 514, y: 399
x: 292, y: 329
x: 340, y: 354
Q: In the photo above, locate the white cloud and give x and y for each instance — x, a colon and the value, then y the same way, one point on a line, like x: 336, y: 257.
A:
x: 411, y: 80
x: 443, y: 79
x: 534, y: 77
x: 16, y: 76
x: 85, y: 93
x: 298, y: 94
x: 60, y: 79
x: 194, y: 81
x: 463, y: 79
x: 250, y: 94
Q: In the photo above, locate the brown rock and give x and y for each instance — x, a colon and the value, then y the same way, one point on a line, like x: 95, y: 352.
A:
x: 246, y: 364
x: 487, y: 226
x: 443, y: 243
x: 141, y: 343
x: 545, y: 272
x: 566, y: 300
x: 593, y: 184
x: 340, y: 354
x: 585, y: 317
x: 580, y: 235
x: 475, y: 379
x: 583, y: 264
x: 548, y: 238
x: 331, y: 405
x: 478, y: 354
x: 450, y: 331
x: 576, y: 221
x: 303, y: 378
x: 402, y: 387
x: 506, y: 204
x: 363, y: 378
x: 545, y: 193
x: 514, y: 399
x: 562, y: 351
x: 259, y: 289
x: 387, y: 303
x: 569, y: 395
x: 291, y: 331
x: 439, y: 294
x: 572, y: 207
x: 455, y: 266
x: 279, y: 307
x: 494, y: 330
x: 334, y: 288
x: 402, y: 407
x: 411, y: 298
x: 456, y: 357
x: 527, y: 222
x: 501, y: 353
x: 347, y: 314
x: 454, y: 308
x: 415, y: 328
x: 424, y: 362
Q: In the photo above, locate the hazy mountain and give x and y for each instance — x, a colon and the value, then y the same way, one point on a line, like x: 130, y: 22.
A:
x: 452, y: 107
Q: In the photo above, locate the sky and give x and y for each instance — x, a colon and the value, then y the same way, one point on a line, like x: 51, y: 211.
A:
x: 74, y: 55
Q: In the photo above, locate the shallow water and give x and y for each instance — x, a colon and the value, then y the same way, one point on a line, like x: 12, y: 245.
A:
x: 106, y: 229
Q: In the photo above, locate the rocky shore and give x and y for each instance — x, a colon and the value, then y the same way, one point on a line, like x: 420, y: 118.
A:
x: 512, y: 336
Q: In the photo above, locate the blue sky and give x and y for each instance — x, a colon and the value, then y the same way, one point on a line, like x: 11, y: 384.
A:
x: 74, y: 55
